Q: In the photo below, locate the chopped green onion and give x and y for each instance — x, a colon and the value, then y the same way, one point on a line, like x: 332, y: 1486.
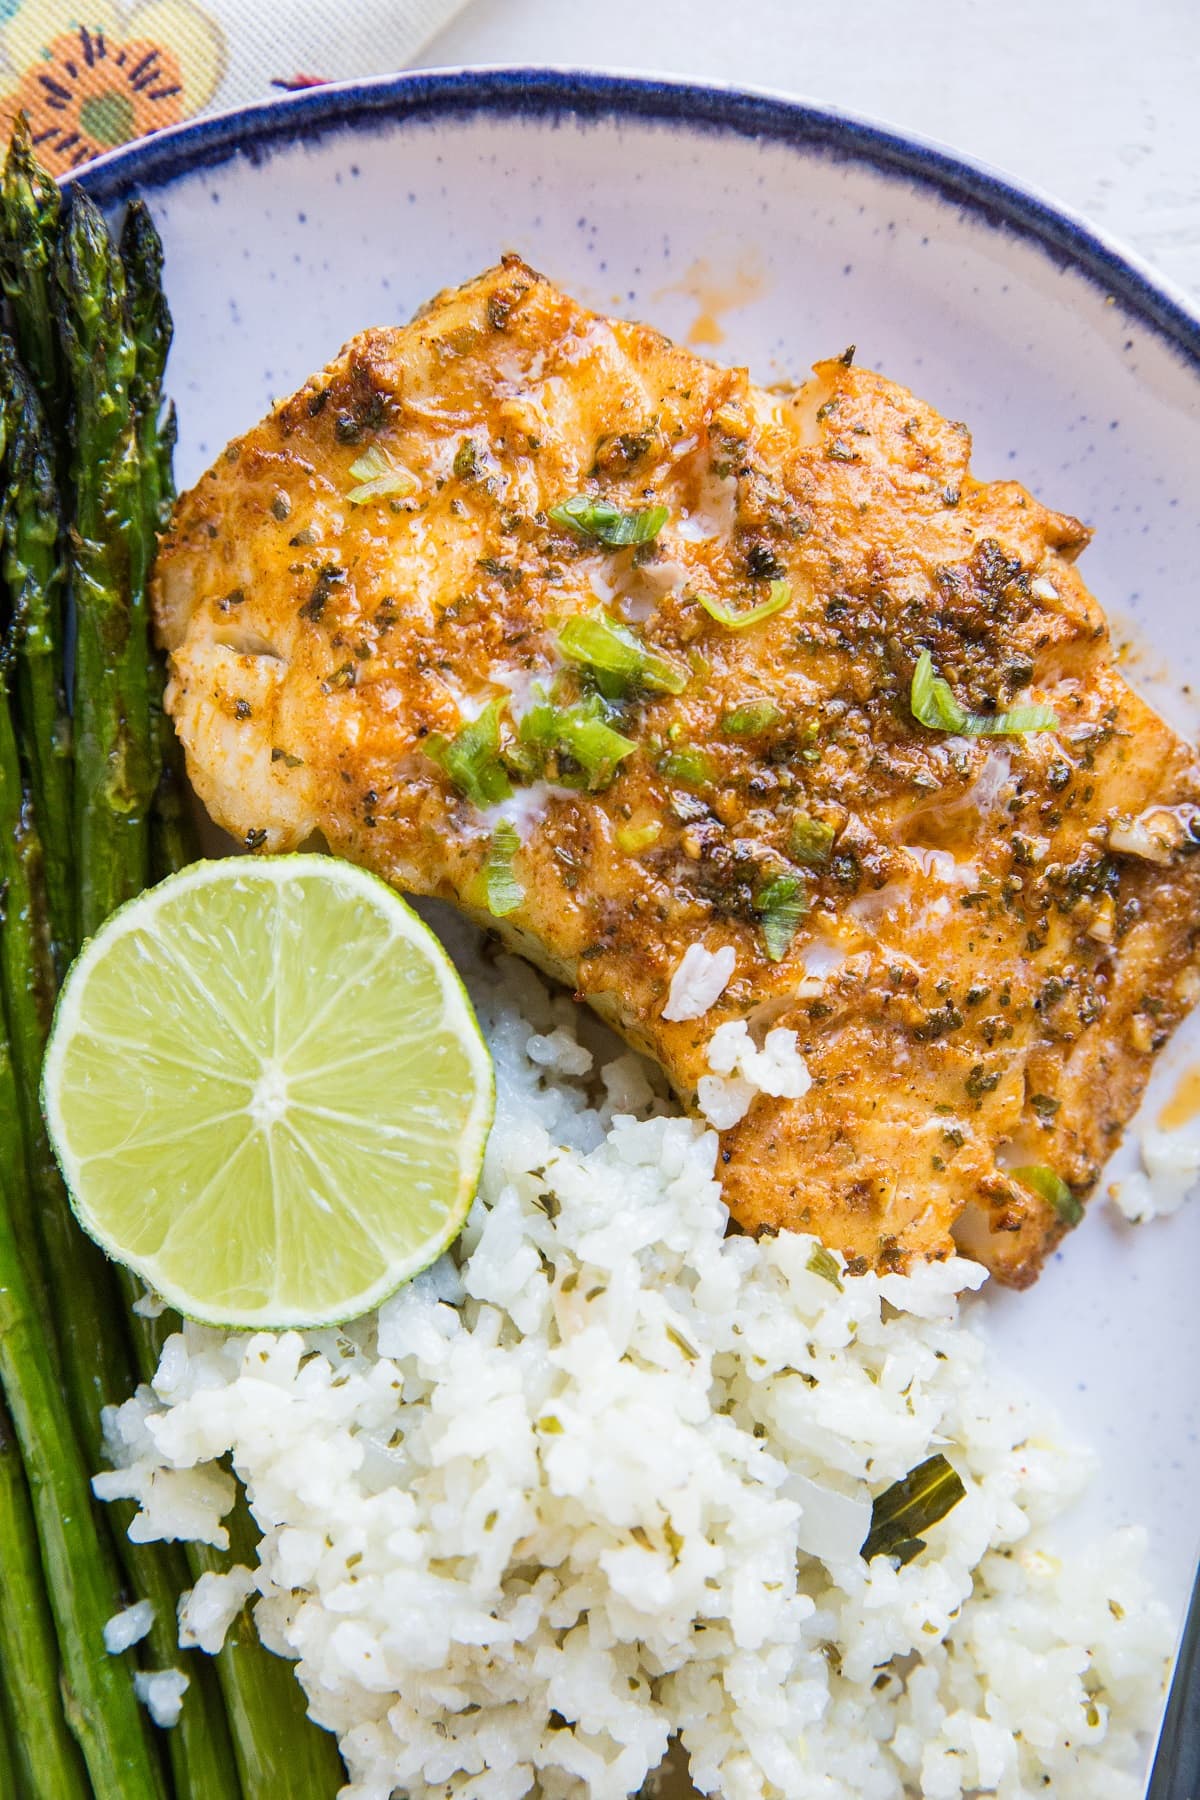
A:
x: 689, y: 765
x: 466, y: 460
x: 504, y: 891
x: 686, y: 1350
x: 824, y: 1263
x: 471, y: 758
x: 634, y: 838
x: 1050, y: 1185
x: 608, y: 524
x: 909, y: 1507
x: 933, y: 705
x: 588, y: 739
x: 781, y: 593
x: 378, y: 477
x: 781, y: 905
x: 582, y: 732
x: 750, y: 719
x: 810, y: 841
x: 609, y: 649
x: 536, y: 727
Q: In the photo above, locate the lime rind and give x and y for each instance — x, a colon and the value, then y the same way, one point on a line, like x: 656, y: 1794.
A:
x: 204, y: 1177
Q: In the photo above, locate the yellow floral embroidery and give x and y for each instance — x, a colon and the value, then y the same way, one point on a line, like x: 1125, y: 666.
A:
x: 92, y: 74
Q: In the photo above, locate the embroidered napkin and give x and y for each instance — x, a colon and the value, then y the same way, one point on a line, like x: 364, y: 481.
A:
x: 92, y: 74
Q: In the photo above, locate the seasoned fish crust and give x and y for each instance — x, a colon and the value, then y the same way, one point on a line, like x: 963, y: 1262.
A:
x: 1002, y: 930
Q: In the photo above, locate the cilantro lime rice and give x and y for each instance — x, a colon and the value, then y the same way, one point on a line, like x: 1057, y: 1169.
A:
x: 599, y: 1481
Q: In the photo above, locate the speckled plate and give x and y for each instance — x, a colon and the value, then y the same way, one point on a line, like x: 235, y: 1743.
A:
x: 766, y: 232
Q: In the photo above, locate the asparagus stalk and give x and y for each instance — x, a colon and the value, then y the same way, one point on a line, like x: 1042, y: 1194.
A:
x: 95, y: 1351
x: 115, y: 367
x: 96, y: 1371
x: 43, y: 1755
x: 266, y: 1703
x: 151, y: 327
x: 33, y: 572
x: 168, y: 436
x: 8, y: 1755
x: 173, y: 839
x: 81, y: 1578
x: 96, y: 1365
x: 172, y: 829
x: 200, y: 1748
x: 24, y: 968
x: 29, y: 223
x: 113, y: 769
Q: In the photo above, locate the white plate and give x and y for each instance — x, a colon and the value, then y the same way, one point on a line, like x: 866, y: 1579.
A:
x: 290, y: 227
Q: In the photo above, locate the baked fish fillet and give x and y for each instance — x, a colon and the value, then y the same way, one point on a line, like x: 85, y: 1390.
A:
x: 1000, y: 930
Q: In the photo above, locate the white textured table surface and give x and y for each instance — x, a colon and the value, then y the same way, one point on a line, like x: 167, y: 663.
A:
x: 1092, y: 101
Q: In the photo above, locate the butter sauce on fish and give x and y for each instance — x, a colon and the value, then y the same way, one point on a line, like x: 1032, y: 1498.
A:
x: 537, y: 612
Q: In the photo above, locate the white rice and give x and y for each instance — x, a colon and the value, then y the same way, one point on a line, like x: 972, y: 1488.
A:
x: 161, y: 1693
x: 599, y: 1480
x: 129, y: 1627
x: 741, y: 1071
x: 1169, y: 1174
x: 701, y: 977
x: 209, y: 1609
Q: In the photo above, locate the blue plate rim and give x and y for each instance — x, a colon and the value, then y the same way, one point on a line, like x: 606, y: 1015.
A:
x: 514, y: 90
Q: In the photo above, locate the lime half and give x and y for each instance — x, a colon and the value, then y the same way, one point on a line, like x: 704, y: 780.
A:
x: 268, y: 1092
